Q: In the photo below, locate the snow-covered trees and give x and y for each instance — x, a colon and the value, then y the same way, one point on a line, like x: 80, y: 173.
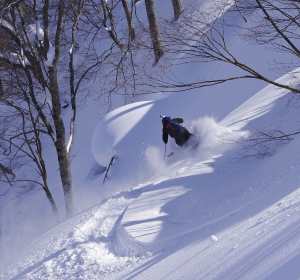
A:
x: 48, y: 52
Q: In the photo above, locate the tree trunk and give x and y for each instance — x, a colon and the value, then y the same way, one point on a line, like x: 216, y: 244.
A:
x: 51, y: 200
x: 177, y: 8
x: 108, y: 20
x: 154, y: 30
x: 131, y: 32
x: 43, y: 170
x: 60, y: 143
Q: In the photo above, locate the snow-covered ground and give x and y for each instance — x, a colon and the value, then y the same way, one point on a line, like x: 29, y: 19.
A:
x: 229, y: 210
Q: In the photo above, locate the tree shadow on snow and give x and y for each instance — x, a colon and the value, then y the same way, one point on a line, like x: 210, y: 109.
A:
x: 213, y: 202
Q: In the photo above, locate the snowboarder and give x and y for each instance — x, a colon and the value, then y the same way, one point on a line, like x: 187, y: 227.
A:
x: 174, y: 128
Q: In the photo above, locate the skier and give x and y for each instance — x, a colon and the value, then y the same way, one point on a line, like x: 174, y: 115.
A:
x: 174, y: 128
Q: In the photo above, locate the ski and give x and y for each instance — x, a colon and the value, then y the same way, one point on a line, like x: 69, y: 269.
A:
x: 112, y: 160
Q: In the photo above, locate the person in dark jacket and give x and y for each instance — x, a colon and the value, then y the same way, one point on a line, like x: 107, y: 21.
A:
x: 174, y: 129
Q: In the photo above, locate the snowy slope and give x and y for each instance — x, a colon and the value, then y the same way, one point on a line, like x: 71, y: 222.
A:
x: 228, y: 211
x: 230, y: 215
x: 228, y: 220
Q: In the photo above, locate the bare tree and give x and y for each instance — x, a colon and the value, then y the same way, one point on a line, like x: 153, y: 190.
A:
x: 37, y: 56
x: 276, y: 25
x: 129, y: 18
x: 177, y: 8
x: 50, y: 49
x: 154, y: 30
x: 21, y: 138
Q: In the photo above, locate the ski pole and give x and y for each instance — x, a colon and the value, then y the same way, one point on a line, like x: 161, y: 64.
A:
x: 165, y: 151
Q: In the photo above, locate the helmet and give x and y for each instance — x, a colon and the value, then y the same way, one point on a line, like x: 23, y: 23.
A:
x: 165, y: 119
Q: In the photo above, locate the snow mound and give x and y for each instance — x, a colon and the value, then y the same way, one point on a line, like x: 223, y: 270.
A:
x: 110, y: 132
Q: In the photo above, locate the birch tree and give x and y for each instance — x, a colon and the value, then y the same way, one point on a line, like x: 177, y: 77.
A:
x: 177, y: 8
x: 43, y: 39
x: 154, y: 30
x: 49, y: 52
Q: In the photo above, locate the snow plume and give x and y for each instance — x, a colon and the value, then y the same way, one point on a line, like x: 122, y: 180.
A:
x: 215, y: 138
x: 155, y: 160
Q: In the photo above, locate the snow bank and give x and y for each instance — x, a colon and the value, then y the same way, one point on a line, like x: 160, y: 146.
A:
x: 102, y: 144
x: 110, y: 132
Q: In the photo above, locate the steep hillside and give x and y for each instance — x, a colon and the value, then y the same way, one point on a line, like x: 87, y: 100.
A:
x: 228, y: 211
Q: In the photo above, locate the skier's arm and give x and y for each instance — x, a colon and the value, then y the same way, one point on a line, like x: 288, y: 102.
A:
x: 165, y: 135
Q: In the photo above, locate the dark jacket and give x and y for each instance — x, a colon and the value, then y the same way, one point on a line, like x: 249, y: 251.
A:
x: 172, y: 128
